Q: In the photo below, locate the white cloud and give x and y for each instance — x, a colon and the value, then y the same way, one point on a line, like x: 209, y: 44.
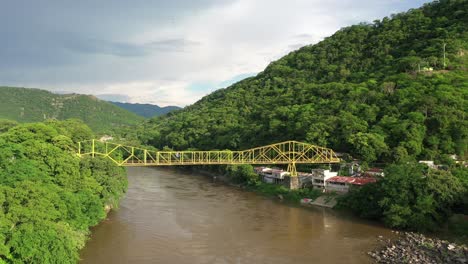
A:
x: 162, y: 93
x: 153, y: 60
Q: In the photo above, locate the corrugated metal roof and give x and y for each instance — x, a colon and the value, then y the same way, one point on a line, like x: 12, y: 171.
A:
x: 352, y: 180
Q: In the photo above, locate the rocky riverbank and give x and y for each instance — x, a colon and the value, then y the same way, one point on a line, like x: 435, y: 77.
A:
x: 417, y: 248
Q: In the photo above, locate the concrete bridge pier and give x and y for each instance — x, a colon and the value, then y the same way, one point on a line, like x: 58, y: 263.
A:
x: 293, y: 183
x: 293, y: 179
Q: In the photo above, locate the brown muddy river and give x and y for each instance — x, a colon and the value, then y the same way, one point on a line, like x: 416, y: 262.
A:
x: 170, y: 216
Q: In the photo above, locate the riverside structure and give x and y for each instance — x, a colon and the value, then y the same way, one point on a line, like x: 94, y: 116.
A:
x: 288, y: 152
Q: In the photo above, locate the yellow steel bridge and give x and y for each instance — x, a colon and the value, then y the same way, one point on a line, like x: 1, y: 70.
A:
x: 288, y: 152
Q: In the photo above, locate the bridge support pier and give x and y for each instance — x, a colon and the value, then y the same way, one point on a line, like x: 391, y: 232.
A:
x: 293, y: 179
x: 293, y: 183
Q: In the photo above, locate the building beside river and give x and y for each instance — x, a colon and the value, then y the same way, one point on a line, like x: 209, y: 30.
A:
x: 342, y: 184
x: 271, y: 175
x: 373, y: 172
x: 322, y: 179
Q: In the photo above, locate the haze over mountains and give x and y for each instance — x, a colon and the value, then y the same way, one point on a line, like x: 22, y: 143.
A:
x: 146, y: 110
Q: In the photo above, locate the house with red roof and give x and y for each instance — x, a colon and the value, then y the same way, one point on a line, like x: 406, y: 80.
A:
x: 373, y: 172
x: 342, y: 184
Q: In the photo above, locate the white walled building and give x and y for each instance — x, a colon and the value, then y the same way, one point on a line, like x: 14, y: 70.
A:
x: 320, y: 176
x: 429, y: 163
x: 270, y: 175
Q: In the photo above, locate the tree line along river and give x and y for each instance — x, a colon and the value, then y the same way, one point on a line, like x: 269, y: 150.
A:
x: 171, y: 216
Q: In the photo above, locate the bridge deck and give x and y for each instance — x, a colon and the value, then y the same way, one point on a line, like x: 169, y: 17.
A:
x: 288, y: 152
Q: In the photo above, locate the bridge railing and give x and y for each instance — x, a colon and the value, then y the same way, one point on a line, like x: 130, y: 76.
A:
x: 289, y: 152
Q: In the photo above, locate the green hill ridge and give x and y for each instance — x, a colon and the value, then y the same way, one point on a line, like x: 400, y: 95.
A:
x: 381, y: 91
x: 146, y: 110
x: 34, y: 105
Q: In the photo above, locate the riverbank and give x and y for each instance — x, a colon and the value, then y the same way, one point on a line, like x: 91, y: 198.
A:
x: 255, y: 185
x: 455, y: 230
x: 325, y: 200
x: 417, y: 248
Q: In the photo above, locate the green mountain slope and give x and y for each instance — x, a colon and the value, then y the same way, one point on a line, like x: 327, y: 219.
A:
x: 146, y: 110
x: 33, y: 105
x: 379, y: 91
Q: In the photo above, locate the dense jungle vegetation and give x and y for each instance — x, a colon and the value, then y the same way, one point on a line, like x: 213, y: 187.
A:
x: 367, y: 90
x: 393, y: 91
x: 412, y: 196
x: 49, y: 197
x: 34, y: 105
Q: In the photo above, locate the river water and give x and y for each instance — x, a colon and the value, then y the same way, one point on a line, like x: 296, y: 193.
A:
x: 169, y: 216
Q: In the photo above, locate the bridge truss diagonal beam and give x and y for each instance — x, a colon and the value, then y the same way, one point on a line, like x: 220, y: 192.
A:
x: 288, y: 152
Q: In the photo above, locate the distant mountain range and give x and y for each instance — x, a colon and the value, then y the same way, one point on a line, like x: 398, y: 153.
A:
x: 146, y: 110
x: 34, y: 105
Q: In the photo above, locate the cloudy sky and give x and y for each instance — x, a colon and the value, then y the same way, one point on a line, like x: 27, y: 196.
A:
x: 163, y: 52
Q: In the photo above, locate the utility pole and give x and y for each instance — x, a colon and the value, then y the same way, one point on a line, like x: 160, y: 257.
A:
x: 444, y: 56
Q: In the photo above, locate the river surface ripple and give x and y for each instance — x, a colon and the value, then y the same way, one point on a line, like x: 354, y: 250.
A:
x: 171, y: 216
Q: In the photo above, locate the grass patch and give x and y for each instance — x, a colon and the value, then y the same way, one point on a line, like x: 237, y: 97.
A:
x: 458, y: 228
x: 273, y: 190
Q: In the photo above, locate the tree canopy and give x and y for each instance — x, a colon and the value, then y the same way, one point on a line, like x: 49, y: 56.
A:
x: 410, y: 196
x: 380, y: 91
x: 49, y: 197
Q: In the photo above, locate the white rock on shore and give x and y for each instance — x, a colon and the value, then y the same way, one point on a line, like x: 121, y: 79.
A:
x: 417, y: 248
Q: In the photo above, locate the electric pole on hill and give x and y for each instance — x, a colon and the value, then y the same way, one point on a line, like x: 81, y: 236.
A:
x: 444, y: 55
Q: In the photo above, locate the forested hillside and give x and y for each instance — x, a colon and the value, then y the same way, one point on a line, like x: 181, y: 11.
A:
x: 392, y: 90
x: 146, y: 110
x: 34, y: 105
x: 49, y: 197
